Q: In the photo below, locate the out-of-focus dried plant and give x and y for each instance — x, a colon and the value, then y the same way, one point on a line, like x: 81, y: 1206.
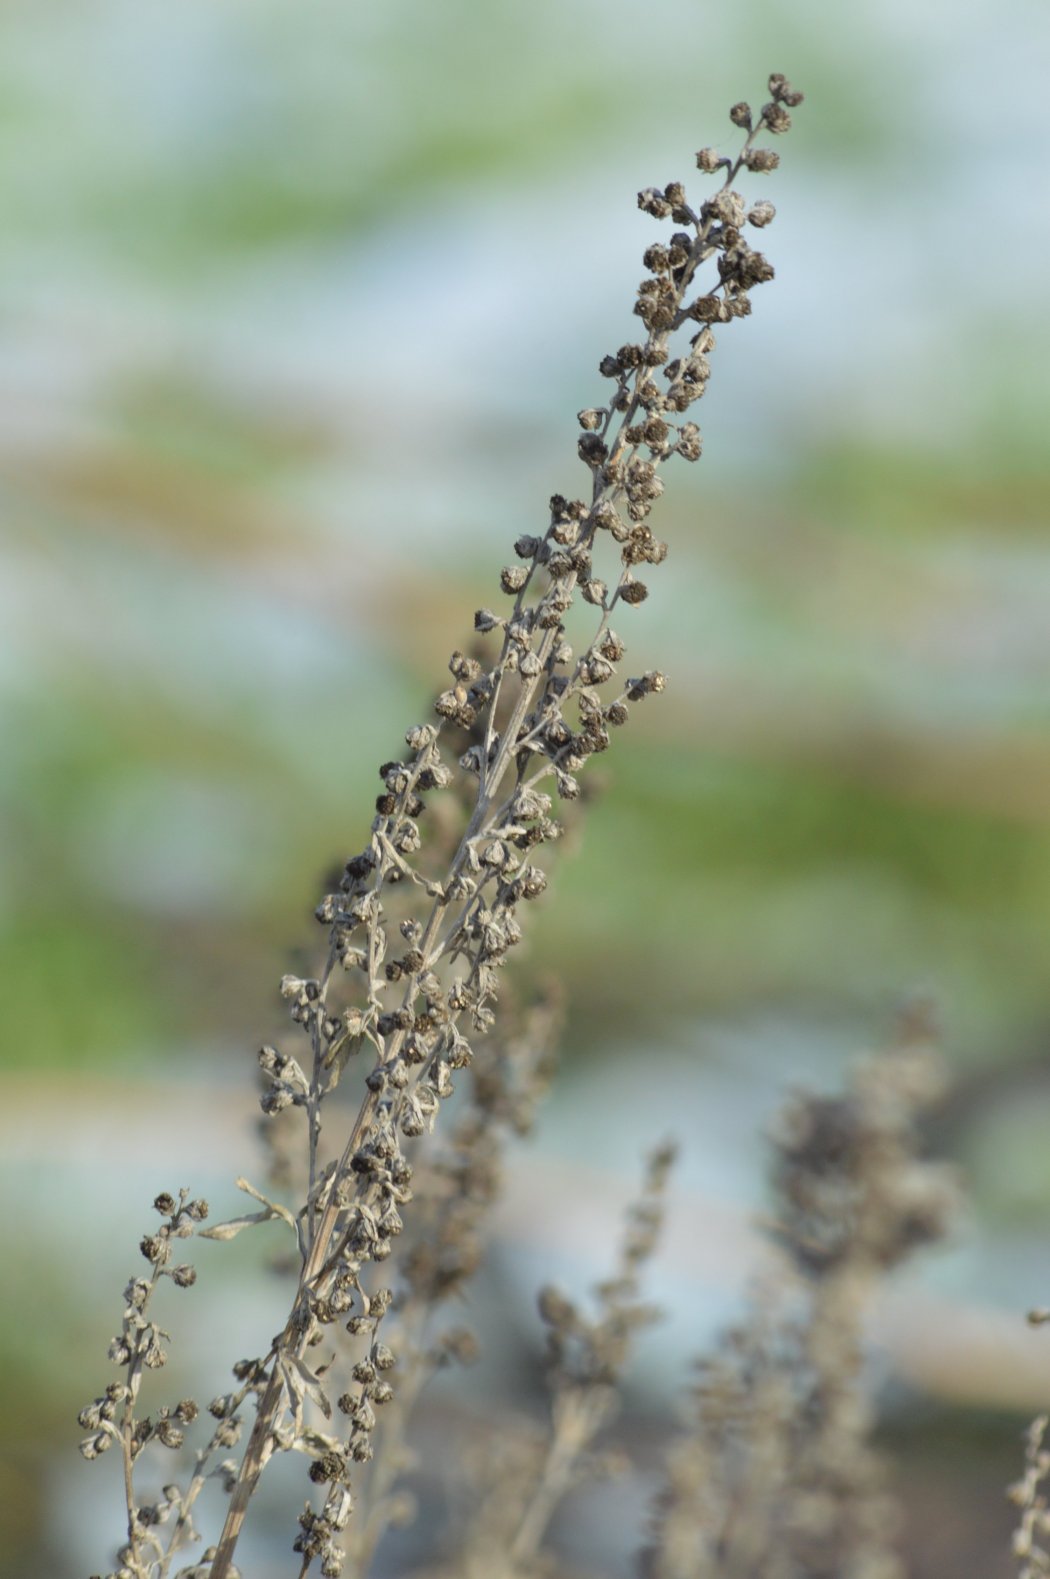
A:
x: 776, y: 1475
x: 418, y: 930
x: 515, y: 1496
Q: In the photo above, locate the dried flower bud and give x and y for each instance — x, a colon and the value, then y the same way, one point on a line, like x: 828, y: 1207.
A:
x: 591, y: 449
x: 652, y: 201
x: 634, y: 592
x: 781, y: 89
x: 776, y: 118
x: 761, y: 160
x: 648, y: 685
x: 690, y: 443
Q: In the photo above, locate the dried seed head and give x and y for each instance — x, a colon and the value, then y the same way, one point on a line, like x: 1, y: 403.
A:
x: 761, y: 159
x: 634, y: 592
x: 781, y: 90
x: 652, y: 201
x: 776, y: 118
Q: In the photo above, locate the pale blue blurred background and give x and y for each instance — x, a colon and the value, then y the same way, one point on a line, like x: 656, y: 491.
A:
x: 296, y: 306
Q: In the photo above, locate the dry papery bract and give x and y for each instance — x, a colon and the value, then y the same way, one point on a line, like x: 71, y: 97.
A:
x: 419, y: 927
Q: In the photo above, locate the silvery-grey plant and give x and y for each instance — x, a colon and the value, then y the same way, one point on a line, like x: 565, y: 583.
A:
x: 419, y: 929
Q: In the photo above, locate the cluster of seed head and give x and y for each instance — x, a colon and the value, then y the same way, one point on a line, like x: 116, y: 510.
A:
x: 457, y: 1180
x: 139, y: 1346
x: 159, y: 1528
x: 459, y: 1183
x: 525, y: 731
x: 417, y: 935
x: 462, y: 1179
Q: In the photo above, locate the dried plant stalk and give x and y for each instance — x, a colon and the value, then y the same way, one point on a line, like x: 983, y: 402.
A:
x: 415, y: 945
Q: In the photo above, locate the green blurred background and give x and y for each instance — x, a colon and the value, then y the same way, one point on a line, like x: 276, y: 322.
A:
x: 296, y: 306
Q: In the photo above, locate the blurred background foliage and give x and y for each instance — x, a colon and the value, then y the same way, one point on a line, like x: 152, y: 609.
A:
x: 296, y: 307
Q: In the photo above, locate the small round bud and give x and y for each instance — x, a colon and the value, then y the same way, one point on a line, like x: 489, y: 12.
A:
x: 634, y: 592
x: 776, y: 118
x: 651, y: 201
x: 592, y: 450
x: 761, y: 160
x: 155, y: 1248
